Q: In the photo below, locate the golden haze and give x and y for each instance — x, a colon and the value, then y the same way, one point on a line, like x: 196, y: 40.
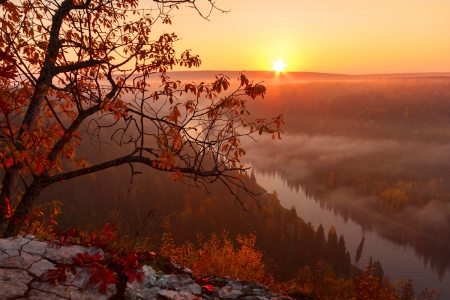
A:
x: 350, y: 37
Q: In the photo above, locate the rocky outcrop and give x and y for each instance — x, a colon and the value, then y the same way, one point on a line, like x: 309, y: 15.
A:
x: 24, y: 259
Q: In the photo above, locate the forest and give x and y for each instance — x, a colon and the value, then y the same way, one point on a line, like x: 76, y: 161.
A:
x: 295, y: 255
x: 391, y: 138
x: 147, y: 209
x: 152, y: 204
x: 375, y: 151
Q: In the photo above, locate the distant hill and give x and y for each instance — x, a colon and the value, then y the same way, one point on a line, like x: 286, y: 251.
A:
x: 270, y: 77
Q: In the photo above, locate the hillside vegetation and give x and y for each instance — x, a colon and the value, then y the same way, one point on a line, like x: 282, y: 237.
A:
x: 283, y: 247
x: 387, y: 139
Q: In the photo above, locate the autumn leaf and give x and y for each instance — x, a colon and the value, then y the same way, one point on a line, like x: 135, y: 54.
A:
x: 140, y: 277
x: 102, y: 287
x: 9, y: 162
x: 131, y: 275
x: 6, y: 56
x: 5, y: 107
x: 8, y: 72
x: 209, y: 288
x: 78, y: 261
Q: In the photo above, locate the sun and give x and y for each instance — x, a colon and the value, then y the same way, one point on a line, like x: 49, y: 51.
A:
x: 278, y: 66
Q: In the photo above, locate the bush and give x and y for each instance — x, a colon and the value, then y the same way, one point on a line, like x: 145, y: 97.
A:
x: 218, y: 256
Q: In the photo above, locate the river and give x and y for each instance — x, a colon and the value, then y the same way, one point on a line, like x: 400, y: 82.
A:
x: 398, y: 261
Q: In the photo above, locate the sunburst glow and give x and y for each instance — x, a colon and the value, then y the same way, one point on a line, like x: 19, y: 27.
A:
x: 278, y: 66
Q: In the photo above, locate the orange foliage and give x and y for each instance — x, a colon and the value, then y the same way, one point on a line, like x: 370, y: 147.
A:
x: 393, y: 200
x: 41, y: 220
x: 319, y: 284
x: 218, y: 256
x: 325, y: 285
x: 369, y: 286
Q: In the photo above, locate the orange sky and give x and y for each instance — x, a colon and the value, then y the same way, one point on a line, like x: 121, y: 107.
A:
x: 336, y: 36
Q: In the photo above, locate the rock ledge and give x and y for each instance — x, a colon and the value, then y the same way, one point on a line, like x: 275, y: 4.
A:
x: 24, y: 259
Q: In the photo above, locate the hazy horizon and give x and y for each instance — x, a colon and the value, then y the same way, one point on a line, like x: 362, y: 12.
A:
x: 343, y: 37
x: 447, y: 73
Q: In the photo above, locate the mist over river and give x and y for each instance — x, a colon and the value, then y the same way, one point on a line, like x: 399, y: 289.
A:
x: 402, y: 252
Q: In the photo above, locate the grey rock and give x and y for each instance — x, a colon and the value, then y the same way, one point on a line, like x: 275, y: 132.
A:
x: 40, y: 267
x: 63, y: 255
x: 149, y: 276
x: 194, y: 289
x: 12, y: 246
x: 92, y: 293
x: 177, y: 282
x: 35, y: 247
x: 182, y: 269
x: 231, y: 291
x: 163, y: 286
x: 81, y: 278
x: 24, y: 259
x: 13, y: 283
x: 76, y: 287
x: 40, y: 295
x: 60, y: 290
x: 173, y: 295
x: 140, y: 293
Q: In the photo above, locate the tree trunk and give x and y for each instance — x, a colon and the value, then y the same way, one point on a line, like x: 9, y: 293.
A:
x: 9, y: 183
x: 8, y: 189
x: 24, y: 208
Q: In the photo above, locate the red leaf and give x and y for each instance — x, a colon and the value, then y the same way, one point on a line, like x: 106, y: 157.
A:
x: 94, y: 278
x: 7, y: 73
x: 73, y: 270
x: 97, y: 256
x: 9, y: 162
x: 96, y: 265
x: 78, y: 261
x: 112, y: 279
x: 6, y: 56
x: 39, y: 169
x: 209, y: 288
x: 140, y: 277
x: 5, y: 107
x: 131, y: 275
x: 102, y: 287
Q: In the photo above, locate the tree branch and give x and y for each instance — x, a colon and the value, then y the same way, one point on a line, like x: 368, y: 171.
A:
x: 132, y: 159
x: 69, y: 131
x: 78, y: 66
